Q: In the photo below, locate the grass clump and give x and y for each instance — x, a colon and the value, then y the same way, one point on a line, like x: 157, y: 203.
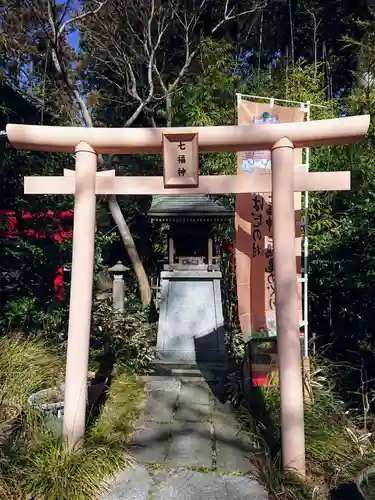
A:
x: 50, y: 470
x: 337, y: 448
x: 125, y: 401
x: 368, y: 487
x: 36, y: 462
x: 27, y: 366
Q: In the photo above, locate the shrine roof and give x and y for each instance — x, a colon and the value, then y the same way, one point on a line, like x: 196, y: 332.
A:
x: 31, y: 100
x: 20, y: 106
x: 166, y: 207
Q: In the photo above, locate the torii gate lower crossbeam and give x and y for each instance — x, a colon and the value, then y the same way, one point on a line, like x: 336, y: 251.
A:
x: 281, y: 139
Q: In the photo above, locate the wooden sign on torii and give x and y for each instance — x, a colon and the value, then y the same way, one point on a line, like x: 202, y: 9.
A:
x: 85, y: 183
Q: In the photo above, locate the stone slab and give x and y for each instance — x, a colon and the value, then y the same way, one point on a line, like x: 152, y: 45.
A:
x: 150, y: 442
x: 191, y: 318
x: 188, y: 485
x: 192, y: 485
x: 190, y: 412
x: 224, y: 414
x: 232, y: 449
x: 131, y: 484
x: 195, y: 393
x: 192, y: 274
x: 160, y: 406
x: 244, y: 488
x: 206, y: 371
x: 228, y: 460
x: 167, y: 384
x: 191, y: 445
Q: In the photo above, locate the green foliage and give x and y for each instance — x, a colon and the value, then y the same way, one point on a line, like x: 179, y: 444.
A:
x: 27, y: 366
x: 368, y: 487
x: 38, y: 464
x: 234, y: 337
x: 53, y: 472
x: 126, y: 337
x: 103, y: 243
x: 211, y: 100
x: 341, y: 262
x: 28, y: 264
x: 306, y: 83
x: 18, y: 312
x: 118, y: 415
x: 336, y: 448
x: 23, y: 315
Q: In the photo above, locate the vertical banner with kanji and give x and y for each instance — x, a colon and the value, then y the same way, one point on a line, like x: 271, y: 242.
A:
x: 253, y: 222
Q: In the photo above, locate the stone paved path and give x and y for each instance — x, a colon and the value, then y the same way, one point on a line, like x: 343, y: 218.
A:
x: 187, y: 447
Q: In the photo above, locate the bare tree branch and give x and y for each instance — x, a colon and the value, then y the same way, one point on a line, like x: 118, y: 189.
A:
x: 314, y: 29
x: 75, y: 19
x: 128, y: 41
x: 131, y: 39
x: 230, y: 14
x: 114, y: 207
x: 188, y: 27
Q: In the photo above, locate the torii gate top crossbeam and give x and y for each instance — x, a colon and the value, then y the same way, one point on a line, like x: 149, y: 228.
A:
x: 210, y: 139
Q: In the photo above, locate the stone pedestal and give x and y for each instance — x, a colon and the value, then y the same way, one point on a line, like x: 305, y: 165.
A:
x: 191, y: 321
x: 118, y: 294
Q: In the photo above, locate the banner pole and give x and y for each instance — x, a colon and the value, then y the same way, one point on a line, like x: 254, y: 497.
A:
x: 306, y: 254
x: 280, y: 100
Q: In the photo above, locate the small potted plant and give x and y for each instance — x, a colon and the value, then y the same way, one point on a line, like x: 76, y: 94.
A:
x: 51, y: 401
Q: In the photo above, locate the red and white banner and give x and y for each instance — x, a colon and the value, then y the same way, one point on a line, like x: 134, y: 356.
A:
x: 253, y: 222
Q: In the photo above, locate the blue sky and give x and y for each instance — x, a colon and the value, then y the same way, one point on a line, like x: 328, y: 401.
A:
x: 73, y: 40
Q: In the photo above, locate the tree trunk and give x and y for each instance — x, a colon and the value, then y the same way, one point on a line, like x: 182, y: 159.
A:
x: 169, y: 110
x: 315, y: 42
x: 144, y: 285
x: 260, y: 44
x: 114, y: 207
x: 291, y: 32
x: 326, y: 72
x: 287, y: 72
x: 315, y: 53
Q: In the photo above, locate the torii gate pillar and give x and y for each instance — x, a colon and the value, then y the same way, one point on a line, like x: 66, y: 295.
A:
x: 80, y: 294
x: 286, y: 296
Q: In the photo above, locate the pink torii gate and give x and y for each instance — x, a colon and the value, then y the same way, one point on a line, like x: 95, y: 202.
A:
x: 282, y: 181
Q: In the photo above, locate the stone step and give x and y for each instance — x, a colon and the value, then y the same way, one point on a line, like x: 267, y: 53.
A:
x: 143, y: 484
x: 208, y: 371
